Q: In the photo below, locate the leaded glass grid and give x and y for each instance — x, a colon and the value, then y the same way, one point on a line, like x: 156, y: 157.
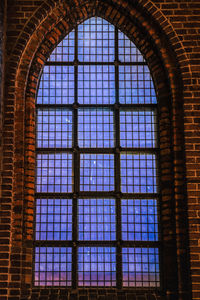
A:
x: 97, y: 187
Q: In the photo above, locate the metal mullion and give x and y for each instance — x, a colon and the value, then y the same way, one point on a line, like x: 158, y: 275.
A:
x: 75, y: 166
x: 117, y: 169
x: 94, y: 63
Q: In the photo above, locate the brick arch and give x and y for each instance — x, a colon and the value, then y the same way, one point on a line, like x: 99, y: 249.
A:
x: 140, y: 26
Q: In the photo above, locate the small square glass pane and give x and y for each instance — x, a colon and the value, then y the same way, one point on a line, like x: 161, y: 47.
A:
x: 140, y: 267
x: 138, y: 128
x: 96, y: 219
x: 97, y: 172
x: 96, y: 41
x: 54, y: 128
x: 96, y: 84
x: 56, y: 85
x: 138, y: 173
x: 53, y: 219
x: 95, y: 128
x: 97, y: 266
x: 53, y: 266
x: 139, y: 219
x: 136, y: 85
x: 54, y: 173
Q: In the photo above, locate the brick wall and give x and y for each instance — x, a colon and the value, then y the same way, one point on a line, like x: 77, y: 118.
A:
x: 172, y: 30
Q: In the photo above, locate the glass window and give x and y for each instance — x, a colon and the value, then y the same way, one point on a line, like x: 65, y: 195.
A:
x: 96, y: 215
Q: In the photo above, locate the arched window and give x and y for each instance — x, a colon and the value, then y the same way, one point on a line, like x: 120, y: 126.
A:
x: 96, y: 216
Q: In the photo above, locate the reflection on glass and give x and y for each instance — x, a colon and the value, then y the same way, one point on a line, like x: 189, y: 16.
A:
x: 96, y: 219
x: 138, y: 173
x: 140, y: 267
x: 53, y: 266
x: 138, y: 128
x: 96, y: 266
x: 54, y: 173
x: 56, y: 85
x: 97, y: 172
x: 53, y: 219
x: 54, y: 128
x: 95, y: 128
x: 96, y: 84
x: 139, y: 220
x: 96, y: 41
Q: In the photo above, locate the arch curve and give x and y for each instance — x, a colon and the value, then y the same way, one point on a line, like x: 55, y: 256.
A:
x: 139, y: 21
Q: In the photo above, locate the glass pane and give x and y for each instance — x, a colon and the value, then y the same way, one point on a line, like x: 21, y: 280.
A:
x: 96, y: 84
x: 138, y: 173
x: 138, y: 128
x: 136, y: 85
x: 56, y: 85
x: 65, y: 49
x: 96, y: 41
x: 96, y: 219
x: 53, y: 219
x: 96, y: 266
x: 54, y: 173
x: 127, y: 50
x: 54, y: 128
x: 139, y: 220
x: 140, y: 267
x: 97, y: 172
x: 95, y: 128
x: 53, y: 266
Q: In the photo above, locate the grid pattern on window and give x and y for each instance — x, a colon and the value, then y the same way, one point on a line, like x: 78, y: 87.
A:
x: 96, y: 214
x: 54, y: 128
x: 139, y: 219
x: 97, y: 266
x: 96, y: 41
x: 138, y: 128
x: 53, y: 266
x: 54, y: 173
x: 53, y: 219
x: 97, y: 219
x: 65, y: 49
x: 140, y: 267
x: 95, y: 128
x: 56, y: 85
x: 96, y: 172
x: 138, y: 173
x: 96, y: 84
x: 136, y: 85
x: 127, y: 50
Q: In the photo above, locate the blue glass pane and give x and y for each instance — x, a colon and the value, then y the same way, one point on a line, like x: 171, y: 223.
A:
x: 139, y: 219
x: 127, y: 50
x: 140, y: 267
x: 95, y: 128
x: 54, y: 128
x: 56, y: 85
x: 96, y: 84
x: 54, y: 173
x: 53, y: 219
x: 136, y: 85
x: 96, y: 41
x: 96, y: 219
x: 97, y: 172
x: 138, y: 173
x: 65, y: 49
x: 96, y: 266
x: 138, y: 128
x: 53, y: 266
